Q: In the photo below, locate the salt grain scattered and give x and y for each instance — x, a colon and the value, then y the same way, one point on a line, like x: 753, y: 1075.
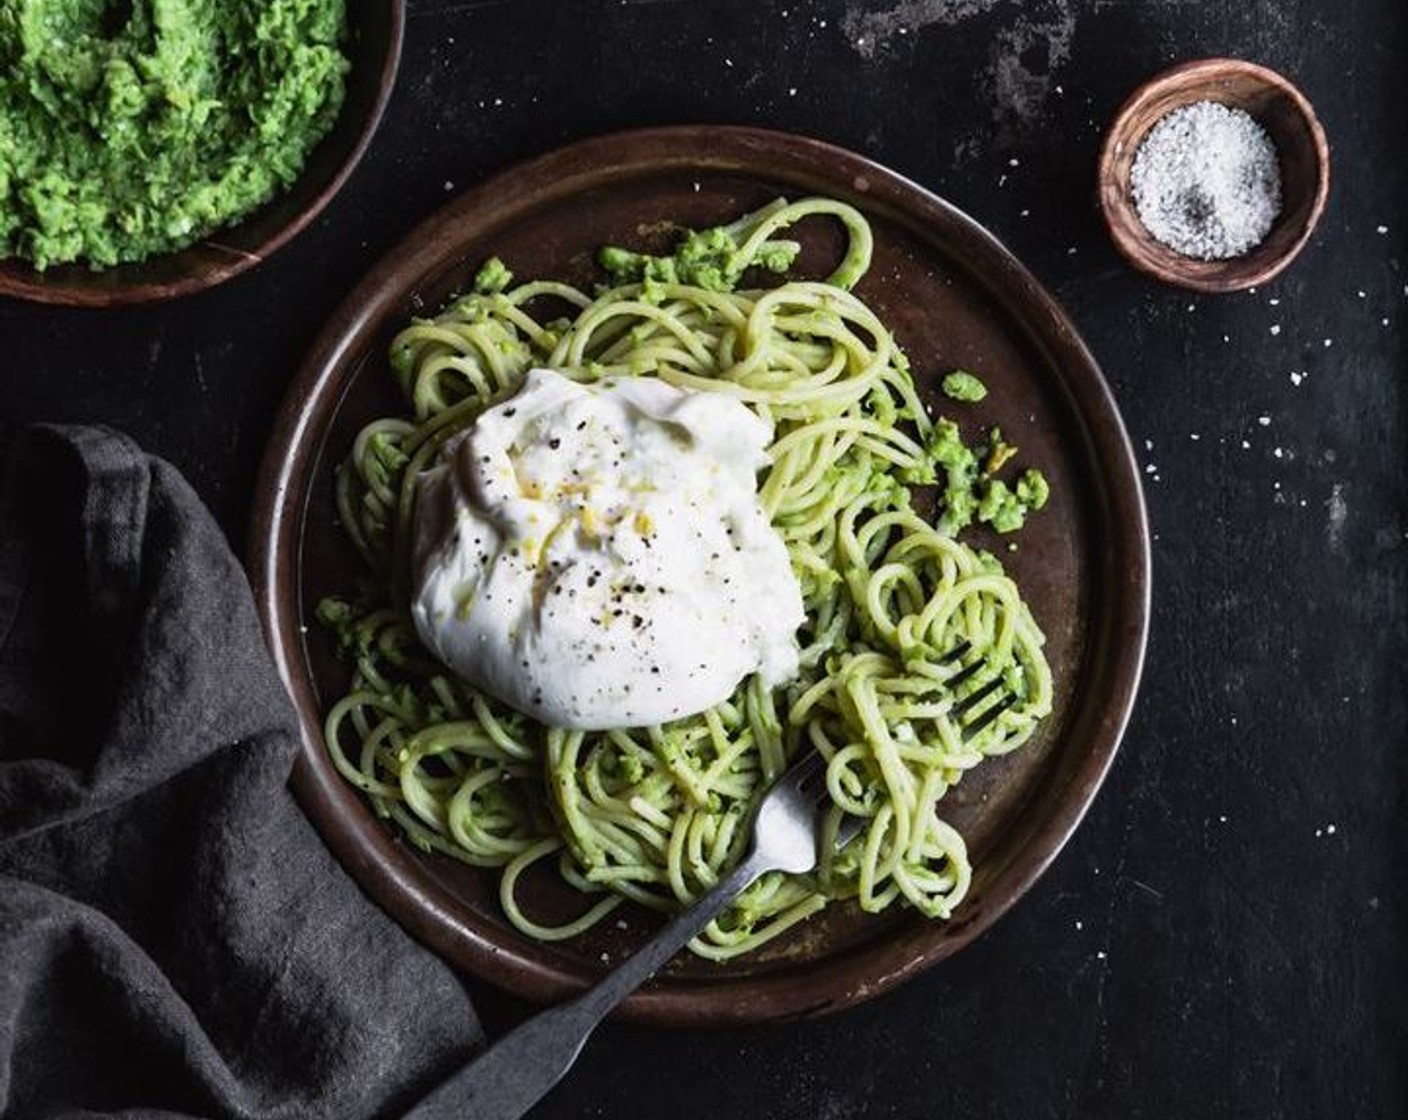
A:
x: 1206, y: 181
x: 1275, y: 328
x: 1264, y: 421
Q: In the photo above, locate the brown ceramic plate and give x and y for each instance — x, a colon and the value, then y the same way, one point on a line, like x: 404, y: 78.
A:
x: 374, y: 33
x: 954, y: 297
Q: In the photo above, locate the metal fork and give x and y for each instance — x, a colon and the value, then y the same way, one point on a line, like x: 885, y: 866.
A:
x: 515, y: 1072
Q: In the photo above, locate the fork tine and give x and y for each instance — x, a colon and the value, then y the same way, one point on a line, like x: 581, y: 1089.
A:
x: 956, y: 653
x: 988, y: 716
x: 801, y: 772
x: 963, y: 674
x: 850, y: 827
x: 973, y: 699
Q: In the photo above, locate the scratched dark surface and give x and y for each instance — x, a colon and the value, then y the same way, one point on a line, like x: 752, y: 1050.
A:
x: 1227, y: 934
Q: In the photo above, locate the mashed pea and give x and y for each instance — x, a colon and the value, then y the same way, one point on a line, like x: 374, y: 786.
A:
x: 134, y: 127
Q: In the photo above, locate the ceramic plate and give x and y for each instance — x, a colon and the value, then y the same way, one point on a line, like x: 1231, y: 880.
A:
x: 954, y: 297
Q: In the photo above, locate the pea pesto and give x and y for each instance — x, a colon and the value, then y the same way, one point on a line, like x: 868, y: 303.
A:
x: 130, y: 128
x: 960, y: 385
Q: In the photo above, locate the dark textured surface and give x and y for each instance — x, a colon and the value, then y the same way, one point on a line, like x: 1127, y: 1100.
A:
x: 1207, y: 946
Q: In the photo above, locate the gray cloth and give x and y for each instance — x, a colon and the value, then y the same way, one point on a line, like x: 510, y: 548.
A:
x: 174, y: 938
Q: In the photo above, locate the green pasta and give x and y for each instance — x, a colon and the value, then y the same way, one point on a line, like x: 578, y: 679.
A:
x: 656, y: 814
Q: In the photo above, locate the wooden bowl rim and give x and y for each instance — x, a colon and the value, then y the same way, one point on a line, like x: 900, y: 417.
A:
x: 19, y: 281
x: 1162, y: 263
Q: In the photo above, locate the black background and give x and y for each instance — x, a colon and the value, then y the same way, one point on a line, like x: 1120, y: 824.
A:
x: 1226, y: 935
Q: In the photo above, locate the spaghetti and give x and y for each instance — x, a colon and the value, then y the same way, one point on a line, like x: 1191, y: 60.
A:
x: 656, y: 814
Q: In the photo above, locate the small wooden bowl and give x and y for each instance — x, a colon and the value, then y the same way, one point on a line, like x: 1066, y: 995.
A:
x: 1279, y: 108
x: 375, y: 30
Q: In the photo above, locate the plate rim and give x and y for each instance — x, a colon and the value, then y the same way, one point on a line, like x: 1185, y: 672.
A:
x: 387, y: 872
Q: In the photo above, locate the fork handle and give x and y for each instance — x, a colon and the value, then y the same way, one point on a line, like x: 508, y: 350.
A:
x: 514, y: 1073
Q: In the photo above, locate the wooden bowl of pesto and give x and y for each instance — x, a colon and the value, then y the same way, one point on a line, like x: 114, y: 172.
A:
x: 155, y: 162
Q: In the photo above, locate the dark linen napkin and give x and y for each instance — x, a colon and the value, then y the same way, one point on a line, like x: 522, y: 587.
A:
x: 175, y: 941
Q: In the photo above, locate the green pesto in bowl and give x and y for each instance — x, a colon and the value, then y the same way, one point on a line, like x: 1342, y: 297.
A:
x: 130, y: 128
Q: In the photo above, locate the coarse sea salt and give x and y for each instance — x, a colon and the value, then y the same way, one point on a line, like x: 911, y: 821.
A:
x: 1206, y: 181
